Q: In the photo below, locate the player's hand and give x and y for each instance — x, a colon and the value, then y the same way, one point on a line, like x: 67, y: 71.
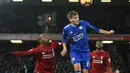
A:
x: 111, y: 31
x: 63, y: 52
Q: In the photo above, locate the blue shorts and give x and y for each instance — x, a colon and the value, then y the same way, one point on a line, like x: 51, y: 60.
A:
x: 83, y: 58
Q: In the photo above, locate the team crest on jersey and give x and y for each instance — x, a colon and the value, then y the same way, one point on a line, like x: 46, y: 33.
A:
x: 71, y: 32
x: 43, y: 52
x: 101, y: 57
x: 80, y: 27
x: 93, y: 56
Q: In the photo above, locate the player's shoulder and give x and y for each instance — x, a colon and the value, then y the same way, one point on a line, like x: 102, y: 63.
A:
x: 39, y: 47
x: 54, y: 43
x: 66, y: 27
x: 93, y: 52
x: 83, y: 21
x: 105, y: 52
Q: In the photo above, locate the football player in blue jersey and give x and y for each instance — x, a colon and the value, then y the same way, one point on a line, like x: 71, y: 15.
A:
x: 79, y: 47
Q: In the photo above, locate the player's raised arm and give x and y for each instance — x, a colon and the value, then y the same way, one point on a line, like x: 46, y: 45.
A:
x: 26, y: 53
x: 106, y: 32
x: 98, y: 30
x: 108, y: 62
x: 64, y: 38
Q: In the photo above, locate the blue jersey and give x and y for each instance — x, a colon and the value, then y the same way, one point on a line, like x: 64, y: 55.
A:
x: 78, y: 36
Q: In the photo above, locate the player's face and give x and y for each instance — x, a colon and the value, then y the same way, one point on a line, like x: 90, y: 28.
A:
x: 44, y: 40
x: 99, y: 44
x: 74, y: 19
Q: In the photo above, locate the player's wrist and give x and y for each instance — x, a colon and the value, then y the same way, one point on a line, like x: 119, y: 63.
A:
x: 64, y: 48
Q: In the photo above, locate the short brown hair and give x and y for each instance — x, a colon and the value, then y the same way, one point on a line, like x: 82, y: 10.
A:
x: 72, y: 13
x: 42, y: 36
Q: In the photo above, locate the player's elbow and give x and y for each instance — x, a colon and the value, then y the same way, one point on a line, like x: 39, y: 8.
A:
x: 97, y: 30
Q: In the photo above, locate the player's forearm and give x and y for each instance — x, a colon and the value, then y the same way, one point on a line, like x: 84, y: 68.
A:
x: 64, y: 46
x: 104, y: 31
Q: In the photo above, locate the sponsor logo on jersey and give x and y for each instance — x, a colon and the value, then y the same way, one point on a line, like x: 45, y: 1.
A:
x: 78, y: 37
x: 48, y: 55
x: 98, y: 61
x: 71, y: 32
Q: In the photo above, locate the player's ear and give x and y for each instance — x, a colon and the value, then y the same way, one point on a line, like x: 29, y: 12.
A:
x: 70, y: 19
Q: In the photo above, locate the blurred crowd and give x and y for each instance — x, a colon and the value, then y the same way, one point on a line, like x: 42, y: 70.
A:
x: 11, y: 64
x: 63, y: 65
x: 118, y: 64
x: 20, y: 28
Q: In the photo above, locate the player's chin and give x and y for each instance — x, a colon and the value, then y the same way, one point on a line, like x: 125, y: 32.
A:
x: 77, y: 23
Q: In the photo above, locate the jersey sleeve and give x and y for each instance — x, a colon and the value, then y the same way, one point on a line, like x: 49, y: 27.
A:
x: 108, y: 62
x: 87, y: 25
x: 26, y: 53
x: 54, y: 44
x: 64, y: 36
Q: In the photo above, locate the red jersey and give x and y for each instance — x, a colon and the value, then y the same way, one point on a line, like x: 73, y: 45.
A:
x: 44, y: 57
x: 100, y: 62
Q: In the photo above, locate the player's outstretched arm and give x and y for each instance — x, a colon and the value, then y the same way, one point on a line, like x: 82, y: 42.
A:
x: 106, y: 32
x: 26, y: 53
x: 98, y: 29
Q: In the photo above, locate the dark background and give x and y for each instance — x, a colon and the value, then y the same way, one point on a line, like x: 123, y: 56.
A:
x: 29, y: 17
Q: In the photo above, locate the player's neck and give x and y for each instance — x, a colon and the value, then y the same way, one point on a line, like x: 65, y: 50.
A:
x: 73, y: 25
x: 99, y: 50
x: 45, y: 44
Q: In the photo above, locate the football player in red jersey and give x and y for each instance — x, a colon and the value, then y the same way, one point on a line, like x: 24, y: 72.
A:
x: 44, y: 54
x: 100, y: 60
